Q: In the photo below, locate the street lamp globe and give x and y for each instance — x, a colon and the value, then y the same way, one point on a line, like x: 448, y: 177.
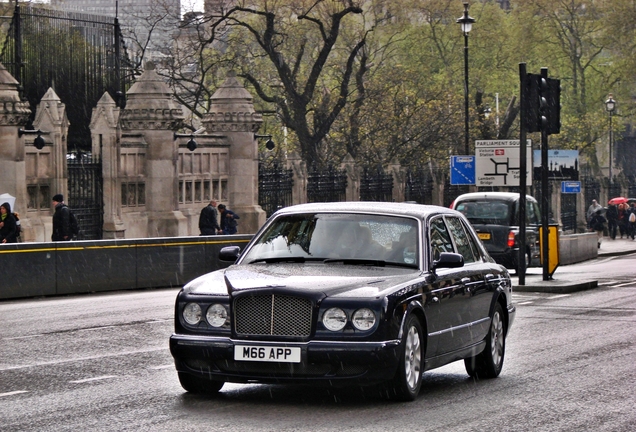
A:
x: 466, y: 21
x: 610, y: 104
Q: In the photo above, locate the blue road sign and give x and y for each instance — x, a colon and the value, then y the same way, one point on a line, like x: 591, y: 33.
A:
x: 462, y: 170
x: 570, y: 187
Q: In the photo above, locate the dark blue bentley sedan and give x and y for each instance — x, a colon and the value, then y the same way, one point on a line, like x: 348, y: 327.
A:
x: 362, y: 293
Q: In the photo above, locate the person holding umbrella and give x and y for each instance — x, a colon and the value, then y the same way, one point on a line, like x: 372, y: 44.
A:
x: 611, y: 214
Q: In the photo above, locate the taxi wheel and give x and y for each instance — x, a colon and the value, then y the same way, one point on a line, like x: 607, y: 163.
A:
x: 193, y: 384
x: 407, y: 381
x: 489, y: 362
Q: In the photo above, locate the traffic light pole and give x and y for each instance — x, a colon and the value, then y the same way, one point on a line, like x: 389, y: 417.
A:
x: 545, y: 198
x: 521, y: 260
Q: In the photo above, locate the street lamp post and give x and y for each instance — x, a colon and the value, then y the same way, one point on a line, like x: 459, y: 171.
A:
x: 466, y: 23
x: 610, y: 106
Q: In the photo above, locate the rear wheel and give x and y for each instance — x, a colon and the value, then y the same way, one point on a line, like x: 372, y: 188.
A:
x: 199, y: 385
x: 489, y: 362
x: 407, y: 381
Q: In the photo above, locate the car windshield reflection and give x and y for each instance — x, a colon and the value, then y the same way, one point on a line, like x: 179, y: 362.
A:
x: 347, y: 238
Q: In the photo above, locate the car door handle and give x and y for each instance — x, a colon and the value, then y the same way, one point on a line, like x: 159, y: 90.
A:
x: 465, y: 281
x: 489, y: 277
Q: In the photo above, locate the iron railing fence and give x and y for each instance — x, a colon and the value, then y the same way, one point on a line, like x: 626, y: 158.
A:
x: 329, y: 185
x: 275, y: 184
x: 85, y: 194
x: 376, y: 185
x: 80, y: 56
x: 418, y: 185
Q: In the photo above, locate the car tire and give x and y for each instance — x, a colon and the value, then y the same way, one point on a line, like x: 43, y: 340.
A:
x: 198, y: 385
x: 407, y: 381
x: 489, y: 362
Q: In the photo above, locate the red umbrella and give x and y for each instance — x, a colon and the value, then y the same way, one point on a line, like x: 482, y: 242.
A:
x: 617, y: 201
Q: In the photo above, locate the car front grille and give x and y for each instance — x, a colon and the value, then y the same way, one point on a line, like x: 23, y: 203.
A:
x: 273, y: 315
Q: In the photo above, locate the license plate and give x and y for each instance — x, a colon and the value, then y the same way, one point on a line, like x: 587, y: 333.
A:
x: 267, y: 353
x: 484, y: 236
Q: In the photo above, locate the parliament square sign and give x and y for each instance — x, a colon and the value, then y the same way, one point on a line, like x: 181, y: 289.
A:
x: 497, y: 162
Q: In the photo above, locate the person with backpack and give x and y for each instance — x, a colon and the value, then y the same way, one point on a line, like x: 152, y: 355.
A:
x: 631, y: 221
x: 64, y: 222
x: 8, y: 224
x: 228, y: 220
x: 597, y: 223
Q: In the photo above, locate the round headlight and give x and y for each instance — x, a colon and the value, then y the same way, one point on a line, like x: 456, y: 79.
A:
x: 334, y: 319
x: 216, y: 315
x: 363, y: 319
x: 192, y: 313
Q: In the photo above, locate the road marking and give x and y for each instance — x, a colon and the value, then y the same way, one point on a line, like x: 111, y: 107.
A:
x: 79, y: 359
x: 558, y: 296
x: 625, y: 284
x: 13, y: 393
x: 93, y: 379
x: 170, y: 366
x: 525, y: 302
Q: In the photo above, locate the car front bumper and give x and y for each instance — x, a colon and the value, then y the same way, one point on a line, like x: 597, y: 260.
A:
x: 330, y: 362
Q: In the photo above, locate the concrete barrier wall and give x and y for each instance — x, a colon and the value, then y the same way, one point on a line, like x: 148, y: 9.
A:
x: 43, y: 269
x: 575, y: 248
x: 46, y: 269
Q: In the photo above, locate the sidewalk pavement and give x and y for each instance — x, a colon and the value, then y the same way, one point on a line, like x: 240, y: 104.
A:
x: 534, y: 279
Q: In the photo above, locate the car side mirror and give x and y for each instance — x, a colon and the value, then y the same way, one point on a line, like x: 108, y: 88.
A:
x: 229, y: 253
x: 448, y: 260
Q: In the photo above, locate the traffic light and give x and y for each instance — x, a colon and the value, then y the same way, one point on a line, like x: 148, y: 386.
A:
x: 542, y: 99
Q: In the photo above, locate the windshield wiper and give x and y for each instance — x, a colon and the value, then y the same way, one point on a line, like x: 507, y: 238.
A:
x: 294, y: 259
x: 359, y: 261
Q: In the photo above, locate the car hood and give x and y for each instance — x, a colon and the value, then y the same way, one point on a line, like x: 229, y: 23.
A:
x: 331, y: 280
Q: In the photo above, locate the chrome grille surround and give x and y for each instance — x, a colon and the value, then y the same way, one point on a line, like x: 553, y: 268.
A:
x: 272, y: 315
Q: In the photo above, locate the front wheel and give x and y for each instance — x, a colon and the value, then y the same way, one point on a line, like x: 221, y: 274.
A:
x: 489, y: 362
x: 407, y: 381
x: 197, y: 385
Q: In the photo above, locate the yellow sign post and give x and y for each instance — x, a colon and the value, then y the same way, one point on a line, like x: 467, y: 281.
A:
x: 553, y: 248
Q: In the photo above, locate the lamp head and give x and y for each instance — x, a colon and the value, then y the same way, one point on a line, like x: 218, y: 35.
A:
x: 466, y: 21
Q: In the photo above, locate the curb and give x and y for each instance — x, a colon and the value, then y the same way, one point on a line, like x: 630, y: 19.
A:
x: 556, y: 287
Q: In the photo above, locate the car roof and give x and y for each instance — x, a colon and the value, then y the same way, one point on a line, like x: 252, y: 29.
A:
x: 504, y: 196
x: 373, y: 207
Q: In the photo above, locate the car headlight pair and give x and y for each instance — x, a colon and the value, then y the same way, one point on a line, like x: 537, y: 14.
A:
x: 335, y: 319
x: 216, y: 314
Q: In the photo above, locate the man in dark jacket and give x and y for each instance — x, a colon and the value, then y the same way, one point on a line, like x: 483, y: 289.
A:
x: 228, y: 220
x: 208, y: 224
x: 61, y: 220
x: 8, y: 226
x: 612, y: 220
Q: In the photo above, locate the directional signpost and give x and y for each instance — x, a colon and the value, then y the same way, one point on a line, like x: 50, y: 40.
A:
x: 497, y: 162
x: 573, y: 187
x: 462, y: 170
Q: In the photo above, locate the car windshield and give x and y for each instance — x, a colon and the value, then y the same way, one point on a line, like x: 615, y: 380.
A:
x: 487, y: 212
x: 351, y: 238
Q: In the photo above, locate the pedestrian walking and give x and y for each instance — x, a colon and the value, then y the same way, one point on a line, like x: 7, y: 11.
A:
x: 631, y: 221
x: 622, y: 219
x: 612, y: 220
x: 228, y: 220
x: 208, y: 220
x: 597, y: 223
x: 62, y: 230
x: 8, y: 224
x: 591, y: 211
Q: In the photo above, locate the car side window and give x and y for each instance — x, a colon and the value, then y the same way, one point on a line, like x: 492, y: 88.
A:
x: 440, y: 238
x: 461, y: 239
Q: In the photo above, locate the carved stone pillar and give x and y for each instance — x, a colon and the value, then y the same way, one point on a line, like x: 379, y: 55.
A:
x: 14, y: 114
x: 105, y: 138
x: 151, y: 111
x: 232, y: 113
